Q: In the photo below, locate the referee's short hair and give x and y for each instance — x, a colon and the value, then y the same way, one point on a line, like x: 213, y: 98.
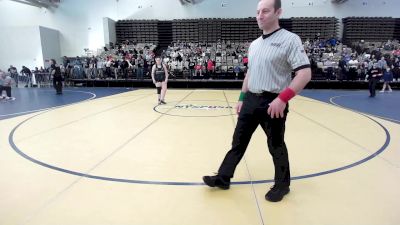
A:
x: 277, y: 5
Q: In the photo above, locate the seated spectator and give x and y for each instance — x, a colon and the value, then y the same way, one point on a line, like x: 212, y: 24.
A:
x: 332, y: 42
x: 353, y: 66
x: 328, y: 65
x: 396, y: 52
x: 382, y: 64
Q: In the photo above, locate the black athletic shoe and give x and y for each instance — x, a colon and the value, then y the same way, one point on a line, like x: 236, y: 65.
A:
x: 217, y: 181
x: 276, y: 193
x: 162, y: 102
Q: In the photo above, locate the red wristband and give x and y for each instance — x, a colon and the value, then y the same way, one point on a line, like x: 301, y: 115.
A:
x: 286, y: 95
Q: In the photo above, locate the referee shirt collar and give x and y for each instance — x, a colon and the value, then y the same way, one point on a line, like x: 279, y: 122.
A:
x: 264, y: 36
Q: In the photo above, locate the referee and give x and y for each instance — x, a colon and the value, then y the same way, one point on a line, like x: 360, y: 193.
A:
x: 266, y: 90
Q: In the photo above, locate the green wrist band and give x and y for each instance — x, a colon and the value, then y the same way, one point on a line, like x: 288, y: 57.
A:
x: 241, y: 96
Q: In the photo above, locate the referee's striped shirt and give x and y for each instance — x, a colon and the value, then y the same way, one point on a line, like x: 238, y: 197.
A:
x: 272, y: 59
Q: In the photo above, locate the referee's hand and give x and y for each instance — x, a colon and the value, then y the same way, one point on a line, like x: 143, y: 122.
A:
x: 238, y: 107
x: 276, y: 108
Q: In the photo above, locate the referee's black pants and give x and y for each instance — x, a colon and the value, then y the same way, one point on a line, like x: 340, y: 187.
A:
x: 57, y: 84
x: 252, y: 114
x: 372, y: 86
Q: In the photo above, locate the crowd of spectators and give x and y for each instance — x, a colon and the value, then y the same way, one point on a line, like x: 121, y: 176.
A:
x: 330, y: 59
x: 333, y: 60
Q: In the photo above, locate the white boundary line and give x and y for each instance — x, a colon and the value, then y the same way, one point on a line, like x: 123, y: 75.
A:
x: 339, y: 96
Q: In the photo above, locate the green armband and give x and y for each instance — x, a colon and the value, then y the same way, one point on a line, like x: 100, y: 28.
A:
x: 241, y: 96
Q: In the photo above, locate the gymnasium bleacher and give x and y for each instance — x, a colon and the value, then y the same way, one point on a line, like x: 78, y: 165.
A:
x: 224, y: 42
x: 211, y: 36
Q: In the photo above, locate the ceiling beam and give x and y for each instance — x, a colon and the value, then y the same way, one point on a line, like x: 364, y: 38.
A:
x: 50, y: 3
x: 37, y: 3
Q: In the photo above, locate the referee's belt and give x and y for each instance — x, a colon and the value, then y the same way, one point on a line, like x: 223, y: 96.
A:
x: 264, y: 94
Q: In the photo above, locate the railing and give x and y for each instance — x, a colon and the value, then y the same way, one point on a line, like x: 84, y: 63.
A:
x: 32, y: 80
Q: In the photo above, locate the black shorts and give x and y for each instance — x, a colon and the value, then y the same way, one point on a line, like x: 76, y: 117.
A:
x: 159, y: 77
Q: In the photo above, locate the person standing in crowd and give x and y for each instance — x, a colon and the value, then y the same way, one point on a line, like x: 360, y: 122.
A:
x: 192, y: 65
x: 67, y: 66
x: 116, y: 66
x: 210, y: 68
x: 159, y: 75
x: 28, y: 74
x: 108, y: 65
x: 140, y: 65
x: 100, y: 66
x: 396, y: 69
x: 78, y: 68
x: 1, y: 84
x: 5, y: 85
x: 14, y: 74
x: 92, y: 74
x: 267, y: 89
x: 124, y: 67
x: 57, y: 78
